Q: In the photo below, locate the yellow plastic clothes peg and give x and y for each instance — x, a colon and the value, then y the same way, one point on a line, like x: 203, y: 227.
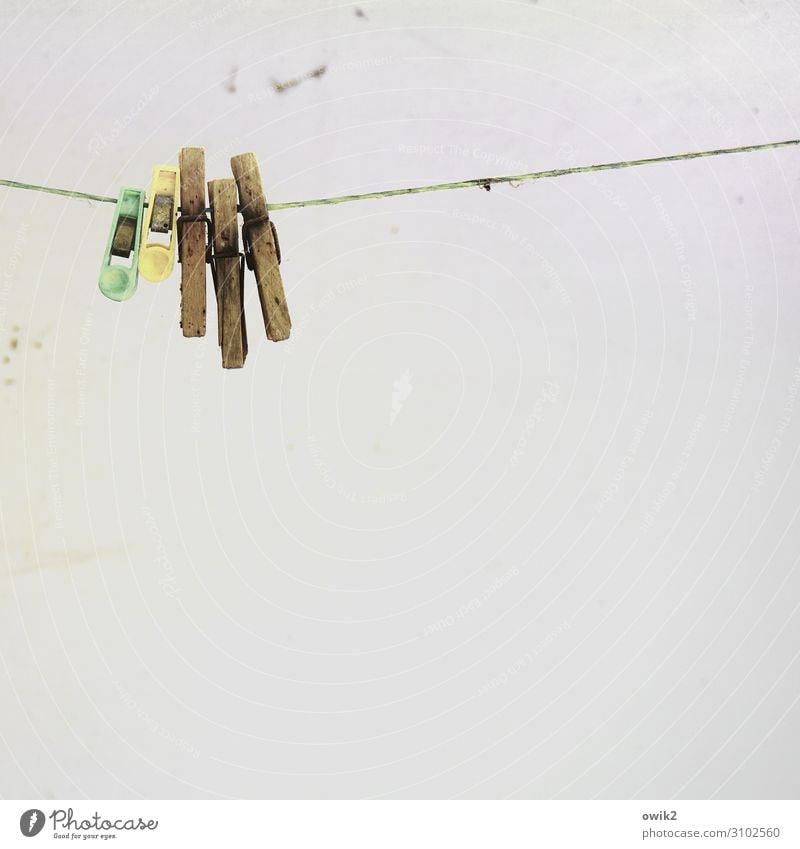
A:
x: 156, y: 258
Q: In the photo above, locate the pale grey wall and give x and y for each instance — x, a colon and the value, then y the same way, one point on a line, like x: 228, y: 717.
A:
x: 278, y: 582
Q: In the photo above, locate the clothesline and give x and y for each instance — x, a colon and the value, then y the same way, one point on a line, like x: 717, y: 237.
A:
x: 479, y: 182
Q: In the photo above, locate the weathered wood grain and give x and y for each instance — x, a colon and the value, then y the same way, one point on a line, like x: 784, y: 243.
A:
x: 230, y: 294
x: 274, y: 309
x: 192, y: 248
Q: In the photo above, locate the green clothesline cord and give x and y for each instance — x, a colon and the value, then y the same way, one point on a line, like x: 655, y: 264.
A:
x: 483, y: 182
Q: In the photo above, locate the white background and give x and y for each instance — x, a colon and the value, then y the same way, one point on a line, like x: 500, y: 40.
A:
x: 469, y: 824
x: 560, y: 561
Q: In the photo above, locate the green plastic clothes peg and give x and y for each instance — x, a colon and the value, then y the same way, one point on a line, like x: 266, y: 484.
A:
x: 118, y: 281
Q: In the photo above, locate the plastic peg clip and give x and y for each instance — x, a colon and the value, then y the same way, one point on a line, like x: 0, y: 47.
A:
x: 118, y: 280
x: 157, y: 259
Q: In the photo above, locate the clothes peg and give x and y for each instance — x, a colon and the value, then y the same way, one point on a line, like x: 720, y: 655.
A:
x: 227, y: 269
x: 261, y: 246
x: 193, y: 226
x: 157, y: 259
x: 119, y: 281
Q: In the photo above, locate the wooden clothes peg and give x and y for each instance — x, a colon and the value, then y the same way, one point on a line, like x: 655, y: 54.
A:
x: 192, y: 231
x: 227, y: 268
x: 261, y: 246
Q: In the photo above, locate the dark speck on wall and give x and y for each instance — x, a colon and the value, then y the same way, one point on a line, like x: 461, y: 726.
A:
x: 740, y: 199
x: 280, y: 87
x: 13, y: 343
x: 230, y: 83
x: 359, y: 13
